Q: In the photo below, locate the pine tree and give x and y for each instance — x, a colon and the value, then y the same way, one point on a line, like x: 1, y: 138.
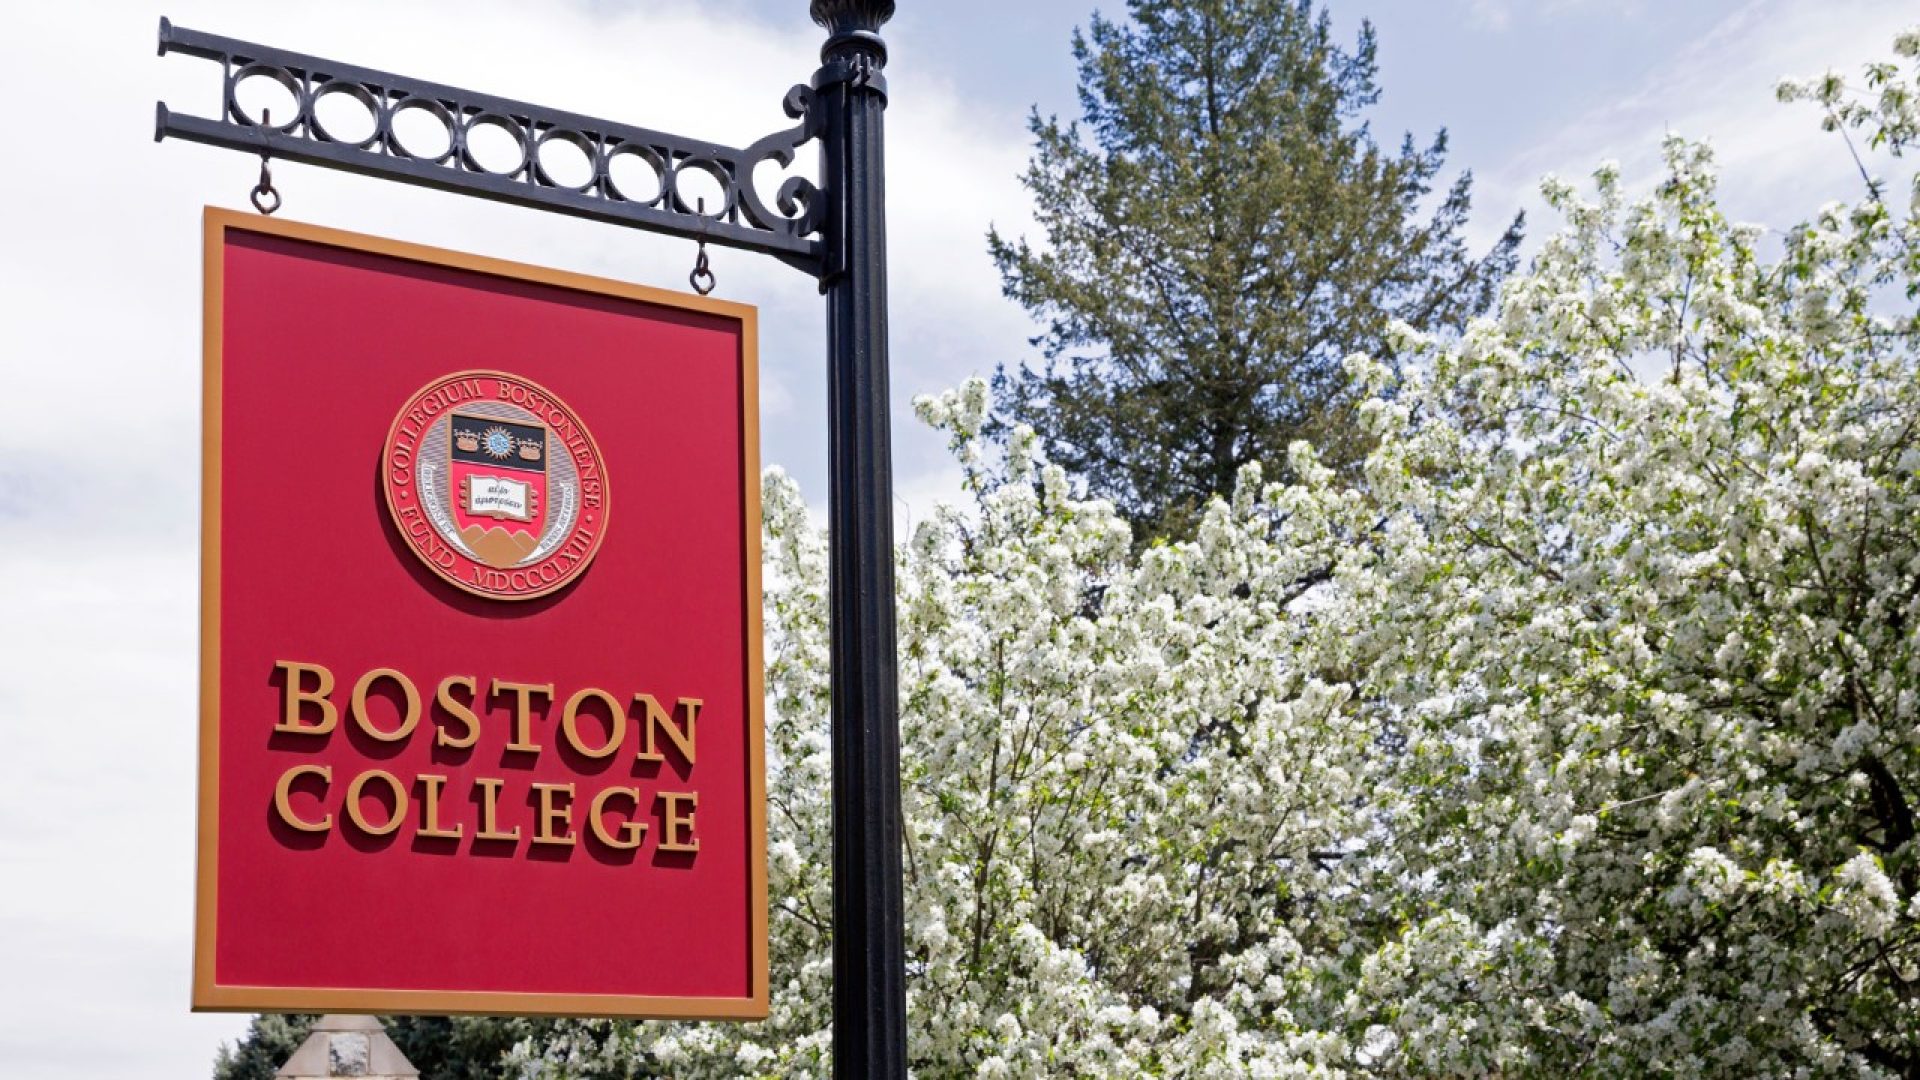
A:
x: 1220, y: 231
x: 270, y: 1040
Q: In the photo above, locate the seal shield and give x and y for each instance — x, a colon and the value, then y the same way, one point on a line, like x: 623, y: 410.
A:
x: 496, y: 484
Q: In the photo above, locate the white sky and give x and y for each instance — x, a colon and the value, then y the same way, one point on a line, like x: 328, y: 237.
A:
x: 99, y: 332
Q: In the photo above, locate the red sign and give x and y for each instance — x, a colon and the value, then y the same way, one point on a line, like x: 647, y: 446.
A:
x: 481, y: 675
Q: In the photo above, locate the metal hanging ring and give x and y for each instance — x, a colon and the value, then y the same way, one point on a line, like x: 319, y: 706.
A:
x: 265, y: 197
x: 702, y: 277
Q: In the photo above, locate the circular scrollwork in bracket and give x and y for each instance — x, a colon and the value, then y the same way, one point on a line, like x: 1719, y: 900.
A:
x: 719, y: 173
x: 352, y: 91
x: 552, y: 159
x: 650, y: 160
x: 479, y: 124
x: 294, y: 86
x: 437, y: 113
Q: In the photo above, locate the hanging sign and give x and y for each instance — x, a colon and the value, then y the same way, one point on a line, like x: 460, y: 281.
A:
x: 480, y: 659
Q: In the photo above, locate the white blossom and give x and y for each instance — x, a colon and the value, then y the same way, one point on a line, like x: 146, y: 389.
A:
x: 1577, y: 735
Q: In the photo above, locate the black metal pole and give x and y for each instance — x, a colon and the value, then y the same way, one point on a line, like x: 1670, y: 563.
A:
x: 869, y: 961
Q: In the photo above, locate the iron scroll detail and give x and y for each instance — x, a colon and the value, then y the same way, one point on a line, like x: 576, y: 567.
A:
x: 798, y: 199
x: 623, y: 174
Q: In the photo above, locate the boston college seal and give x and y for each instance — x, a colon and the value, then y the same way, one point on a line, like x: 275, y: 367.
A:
x: 495, y: 484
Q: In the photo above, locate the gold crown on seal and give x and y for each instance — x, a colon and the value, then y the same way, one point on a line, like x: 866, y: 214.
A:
x: 466, y: 440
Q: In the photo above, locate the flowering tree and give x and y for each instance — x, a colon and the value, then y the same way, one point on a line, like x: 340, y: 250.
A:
x: 1581, y: 736
x: 1641, y: 620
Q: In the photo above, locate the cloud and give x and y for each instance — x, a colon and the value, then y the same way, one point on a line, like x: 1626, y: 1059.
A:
x: 1777, y: 165
x: 1499, y: 14
x: 1494, y: 14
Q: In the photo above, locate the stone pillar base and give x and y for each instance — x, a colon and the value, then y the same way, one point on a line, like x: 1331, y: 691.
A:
x: 343, y: 1045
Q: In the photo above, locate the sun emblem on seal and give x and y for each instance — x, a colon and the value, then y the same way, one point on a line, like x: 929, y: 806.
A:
x: 496, y: 484
x: 498, y: 443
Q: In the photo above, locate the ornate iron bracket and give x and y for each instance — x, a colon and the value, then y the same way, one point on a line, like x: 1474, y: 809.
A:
x: 789, y: 230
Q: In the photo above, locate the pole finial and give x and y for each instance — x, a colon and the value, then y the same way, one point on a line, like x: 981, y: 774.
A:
x: 851, y: 16
x: 853, y: 29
